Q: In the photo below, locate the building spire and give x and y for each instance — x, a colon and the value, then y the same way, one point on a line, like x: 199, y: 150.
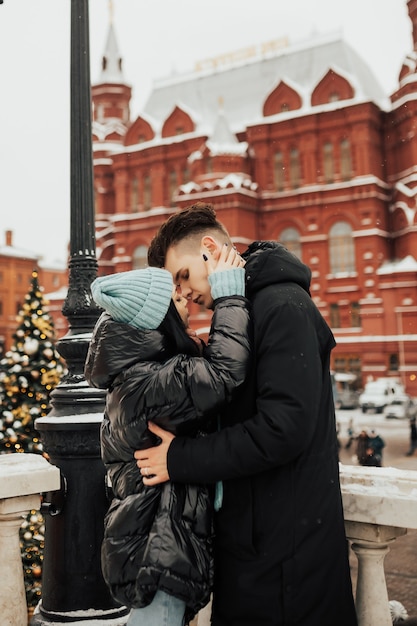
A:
x: 111, y: 66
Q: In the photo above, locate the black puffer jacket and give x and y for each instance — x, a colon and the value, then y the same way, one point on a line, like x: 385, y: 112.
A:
x: 160, y: 537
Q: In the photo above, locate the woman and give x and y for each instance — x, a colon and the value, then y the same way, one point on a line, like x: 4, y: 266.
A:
x: 156, y: 553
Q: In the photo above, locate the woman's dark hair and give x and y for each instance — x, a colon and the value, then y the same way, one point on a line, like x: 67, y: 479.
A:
x: 172, y: 327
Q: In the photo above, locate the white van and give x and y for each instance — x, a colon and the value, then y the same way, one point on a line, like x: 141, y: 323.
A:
x: 378, y: 393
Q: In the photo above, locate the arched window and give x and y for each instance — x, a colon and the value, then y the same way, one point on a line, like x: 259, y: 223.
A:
x: 185, y: 175
x: 328, y: 163
x: 173, y: 184
x: 295, y: 173
x: 334, y: 316
x: 135, y: 195
x: 279, y: 171
x: 341, y: 248
x: 140, y: 258
x: 147, y: 193
x: 345, y: 160
x: 290, y: 238
x: 355, y: 315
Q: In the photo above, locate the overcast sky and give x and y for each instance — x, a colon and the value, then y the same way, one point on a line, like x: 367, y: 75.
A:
x: 156, y: 38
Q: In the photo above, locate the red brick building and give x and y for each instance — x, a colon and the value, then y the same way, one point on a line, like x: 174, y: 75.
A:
x: 296, y: 144
x: 16, y: 267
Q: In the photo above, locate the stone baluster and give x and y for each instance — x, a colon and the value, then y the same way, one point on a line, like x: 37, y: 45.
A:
x: 380, y: 504
x: 22, y: 478
x: 370, y: 543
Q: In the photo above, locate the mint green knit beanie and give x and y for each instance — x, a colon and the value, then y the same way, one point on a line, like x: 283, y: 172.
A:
x: 140, y: 298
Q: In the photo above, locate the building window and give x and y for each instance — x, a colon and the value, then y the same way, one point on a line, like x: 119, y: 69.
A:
x: 279, y: 171
x: 328, y: 162
x: 284, y: 107
x: 394, y: 362
x: 135, y: 195
x: 140, y: 257
x: 18, y: 308
x: 1, y: 308
x: 294, y: 168
x: 173, y: 184
x: 355, y: 315
x: 349, y: 363
x: 290, y: 238
x: 334, y: 316
x: 147, y: 193
x: 185, y: 175
x: 345, y: 160
x: 341, y: 248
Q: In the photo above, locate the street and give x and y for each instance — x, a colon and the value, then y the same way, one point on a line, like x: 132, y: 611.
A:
x: 395, y: 432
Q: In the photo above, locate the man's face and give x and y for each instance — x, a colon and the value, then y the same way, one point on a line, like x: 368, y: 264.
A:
x: 189, y: 271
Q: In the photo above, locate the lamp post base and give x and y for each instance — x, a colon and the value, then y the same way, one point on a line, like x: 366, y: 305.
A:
x: 92, y: 617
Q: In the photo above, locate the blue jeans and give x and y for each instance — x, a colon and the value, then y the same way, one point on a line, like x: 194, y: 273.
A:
x: 164, y: 610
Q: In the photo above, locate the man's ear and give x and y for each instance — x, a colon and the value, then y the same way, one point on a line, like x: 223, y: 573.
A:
x: 212, y: 246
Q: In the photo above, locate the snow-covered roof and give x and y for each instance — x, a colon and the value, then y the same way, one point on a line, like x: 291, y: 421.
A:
x: 244, y: 87
x: 23, y: 253
x: 408, y: 264
x: 54, y: 264
x: 223, y: 141
x: 19, y: 253
x: 60, y: 294
x: 232, y: 181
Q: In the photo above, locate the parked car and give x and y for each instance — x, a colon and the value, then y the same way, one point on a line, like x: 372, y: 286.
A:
x: 345, y: 395
x: 401, y: 408
x: 378, y: 393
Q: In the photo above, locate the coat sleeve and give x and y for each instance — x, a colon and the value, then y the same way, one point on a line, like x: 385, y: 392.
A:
x: 289, y: 381
x: 186, y: 388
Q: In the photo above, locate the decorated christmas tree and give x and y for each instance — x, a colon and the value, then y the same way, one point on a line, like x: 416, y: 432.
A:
x: 29, y: 372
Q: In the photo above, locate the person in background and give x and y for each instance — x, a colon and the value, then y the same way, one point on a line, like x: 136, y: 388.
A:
x: 351, y: 434
x: 281, y: 555
x: 413, y: 436
x: 157, y: 548
x: 362, y: 447
x: 376, y: 446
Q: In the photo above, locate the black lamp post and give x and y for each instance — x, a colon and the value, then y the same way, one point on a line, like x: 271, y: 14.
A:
x: 73, y: 589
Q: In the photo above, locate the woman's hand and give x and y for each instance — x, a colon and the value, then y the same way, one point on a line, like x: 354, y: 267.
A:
x: 153, y: 461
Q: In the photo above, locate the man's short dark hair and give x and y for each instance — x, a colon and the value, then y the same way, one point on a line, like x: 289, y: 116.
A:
x: 196, y: 219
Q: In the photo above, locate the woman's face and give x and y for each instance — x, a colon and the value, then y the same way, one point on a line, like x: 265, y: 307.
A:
x: 181, y: 305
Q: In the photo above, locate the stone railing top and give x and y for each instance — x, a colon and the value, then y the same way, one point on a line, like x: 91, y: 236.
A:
x: 379, y: 495
x: 26, y: 474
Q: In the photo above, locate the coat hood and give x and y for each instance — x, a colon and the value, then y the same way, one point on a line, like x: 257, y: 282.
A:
x: 269, y: 263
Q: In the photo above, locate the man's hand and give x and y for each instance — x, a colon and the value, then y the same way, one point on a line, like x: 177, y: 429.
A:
x: 153, y: 461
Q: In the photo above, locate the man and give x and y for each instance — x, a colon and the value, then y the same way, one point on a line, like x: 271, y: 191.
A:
x: 281, y: 552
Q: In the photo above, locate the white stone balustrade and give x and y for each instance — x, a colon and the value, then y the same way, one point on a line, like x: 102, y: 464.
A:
x: 380, y: 504
x: 23, y: 477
